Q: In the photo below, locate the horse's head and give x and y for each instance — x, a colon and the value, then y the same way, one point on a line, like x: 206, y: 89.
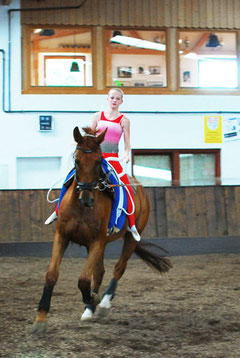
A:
x: 88, y: 160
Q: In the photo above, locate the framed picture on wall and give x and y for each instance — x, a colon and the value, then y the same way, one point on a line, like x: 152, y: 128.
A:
x: 124, y: 71
x: 154, y: 70
x: 186, y: 76
x: 155, y: 84
x: 139, y: 84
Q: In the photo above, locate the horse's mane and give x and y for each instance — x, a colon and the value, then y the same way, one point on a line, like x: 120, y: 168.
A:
x: 89, y: 130
x: 90, y: 138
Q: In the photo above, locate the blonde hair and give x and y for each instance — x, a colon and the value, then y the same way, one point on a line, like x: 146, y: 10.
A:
x: 117, y: 89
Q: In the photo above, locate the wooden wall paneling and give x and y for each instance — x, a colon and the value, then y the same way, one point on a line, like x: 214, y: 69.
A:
x: 35, y: 215
x: 231, y: 210
x: 24, y: 215
x: 188, y: 20
x: 237, y: 213
x: 195, y: 14
x: 191, y: 212
x: 211, y: 212
x: 221, y: 218
x: 229, y: 13
x: 176, y: 212
x: 150, y: 230
x: 161, y: 13
x: 201, y: 217
x: 4, y: 215
x: 161, y: 217
x: 13, y: 219
x: 236, y: 17
x: 48, y: 231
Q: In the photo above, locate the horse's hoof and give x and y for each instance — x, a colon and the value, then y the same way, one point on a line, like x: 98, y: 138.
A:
x: 39, y: 327
x: 104, y: 306
x: 87, y: 315
x: 106, y: 301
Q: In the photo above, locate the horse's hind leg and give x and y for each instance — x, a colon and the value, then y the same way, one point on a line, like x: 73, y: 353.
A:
x: 127, y: 251
x: 59, y: 247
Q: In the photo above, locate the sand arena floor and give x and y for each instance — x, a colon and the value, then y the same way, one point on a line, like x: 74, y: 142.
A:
x: 191, y: 312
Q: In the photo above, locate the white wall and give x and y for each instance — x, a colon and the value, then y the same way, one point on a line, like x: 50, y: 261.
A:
x: 20, y: 137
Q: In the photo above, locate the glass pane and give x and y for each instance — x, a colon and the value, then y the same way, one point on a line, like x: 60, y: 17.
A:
x: 61, y: 57
x: 208, y: 59
x: 153, y: 170
x: 210, y: 69
x: 197, y: 169
x: 136, y: 58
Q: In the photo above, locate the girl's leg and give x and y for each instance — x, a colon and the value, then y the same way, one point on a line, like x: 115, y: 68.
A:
x: 64, y: 188
x: 132, y: 227
x: 131, y: 217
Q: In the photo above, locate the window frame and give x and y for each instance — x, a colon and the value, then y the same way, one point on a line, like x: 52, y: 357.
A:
x: 175, y: 160
x: 99, y: 64
x: 204, y: 90
x: 27, y: 88
x: 138, y: 90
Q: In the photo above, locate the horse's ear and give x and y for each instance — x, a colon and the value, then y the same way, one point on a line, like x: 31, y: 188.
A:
x: 77, y: 135
x: 101, y: 136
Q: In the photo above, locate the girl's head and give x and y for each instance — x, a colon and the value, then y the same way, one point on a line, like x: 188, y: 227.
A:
x: 118, y: 90
x: 115, y: 97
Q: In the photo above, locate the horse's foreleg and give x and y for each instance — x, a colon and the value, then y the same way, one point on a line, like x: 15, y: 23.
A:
x: 59, y: 247
x: 127, y: 251
x: 98, y: 273
x: 96, y: 251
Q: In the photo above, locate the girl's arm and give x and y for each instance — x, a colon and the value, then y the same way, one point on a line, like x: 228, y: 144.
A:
x: 126, y: 133
x: 95, y: 120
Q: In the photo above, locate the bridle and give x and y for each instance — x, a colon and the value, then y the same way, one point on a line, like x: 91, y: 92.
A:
x: 100, y: 184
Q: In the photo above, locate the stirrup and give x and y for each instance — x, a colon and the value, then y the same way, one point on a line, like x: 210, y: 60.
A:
x: 51, y: 218
x: 112, y: 230
x: 134, y: 232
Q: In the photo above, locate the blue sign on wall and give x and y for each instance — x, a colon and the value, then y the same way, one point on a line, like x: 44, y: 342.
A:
x: 45, y: 123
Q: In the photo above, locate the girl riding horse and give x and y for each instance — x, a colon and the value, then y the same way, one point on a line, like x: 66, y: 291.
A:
x: 116, y: 124
x: 83, y: 219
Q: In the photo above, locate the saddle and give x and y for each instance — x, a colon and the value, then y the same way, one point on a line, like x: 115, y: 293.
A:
x: 112, y: 185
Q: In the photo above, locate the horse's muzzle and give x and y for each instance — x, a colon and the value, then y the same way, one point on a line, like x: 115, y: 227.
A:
x: 86, y: 198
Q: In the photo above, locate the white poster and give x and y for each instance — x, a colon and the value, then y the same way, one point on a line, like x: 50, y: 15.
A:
x: 231, y: 129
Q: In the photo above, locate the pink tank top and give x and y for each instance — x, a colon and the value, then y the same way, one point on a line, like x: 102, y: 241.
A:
x: 114, y: 131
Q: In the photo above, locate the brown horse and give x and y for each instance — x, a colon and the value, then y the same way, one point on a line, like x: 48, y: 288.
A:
x: 83, y: 219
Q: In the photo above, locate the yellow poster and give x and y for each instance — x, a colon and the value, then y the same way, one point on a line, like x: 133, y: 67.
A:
x: 213, y: 129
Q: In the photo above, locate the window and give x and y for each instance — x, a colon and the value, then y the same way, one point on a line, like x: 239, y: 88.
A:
x: 136, y: 58
x: 208, y: 59
x: 153, y: 170
x: 176, y: 167
x: 58, y: 57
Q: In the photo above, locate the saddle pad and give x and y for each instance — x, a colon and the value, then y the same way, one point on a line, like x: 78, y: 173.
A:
x: 119, y: 204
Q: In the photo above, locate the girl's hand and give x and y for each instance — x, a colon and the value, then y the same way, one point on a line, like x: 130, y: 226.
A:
x: 126, y: 158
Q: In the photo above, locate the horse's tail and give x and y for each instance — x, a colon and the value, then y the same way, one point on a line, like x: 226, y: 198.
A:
x: 144, y: 250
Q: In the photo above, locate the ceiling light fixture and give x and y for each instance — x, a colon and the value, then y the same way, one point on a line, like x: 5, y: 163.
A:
x: 213, y: 41
x: 74, y: 66
x: 132, y: 41
x: 47, y: 32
